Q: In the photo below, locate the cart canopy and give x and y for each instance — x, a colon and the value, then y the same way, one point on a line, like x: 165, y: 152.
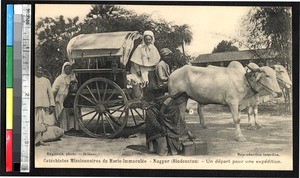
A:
x: 103, y: 44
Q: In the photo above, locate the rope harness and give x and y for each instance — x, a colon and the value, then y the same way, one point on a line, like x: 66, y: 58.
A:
x: 248, y: 75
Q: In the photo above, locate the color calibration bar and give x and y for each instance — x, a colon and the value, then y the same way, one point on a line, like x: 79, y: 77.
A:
x: 9, y: 87
x: 18, y: 11
x: 26, y: 58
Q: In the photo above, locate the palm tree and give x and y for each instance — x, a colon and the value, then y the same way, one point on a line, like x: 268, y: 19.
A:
x: 105, y: 11
x: 183, y: 34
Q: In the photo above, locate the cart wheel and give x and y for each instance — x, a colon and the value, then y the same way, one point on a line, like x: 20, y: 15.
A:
x: 100, y: 107
x: 135, y: 114
x: 133, y: 120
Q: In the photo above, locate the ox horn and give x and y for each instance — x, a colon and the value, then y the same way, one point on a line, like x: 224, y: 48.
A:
x: 253, y: 67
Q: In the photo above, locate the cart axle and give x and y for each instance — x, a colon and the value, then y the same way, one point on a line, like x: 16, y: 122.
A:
x: 100, y: 108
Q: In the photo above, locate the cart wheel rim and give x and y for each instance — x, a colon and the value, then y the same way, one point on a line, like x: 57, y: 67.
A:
x: 136, y: 114
x: 134, y: 118
x: 100, y: 107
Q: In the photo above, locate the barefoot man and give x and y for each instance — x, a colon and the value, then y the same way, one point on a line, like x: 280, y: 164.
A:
x: 44, y: 104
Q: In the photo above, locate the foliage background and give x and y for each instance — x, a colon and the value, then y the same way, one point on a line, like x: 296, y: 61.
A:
x: 262, y: 28
x: 53, y: 34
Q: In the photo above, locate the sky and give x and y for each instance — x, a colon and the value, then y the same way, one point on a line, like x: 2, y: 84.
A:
x: 209, y: 24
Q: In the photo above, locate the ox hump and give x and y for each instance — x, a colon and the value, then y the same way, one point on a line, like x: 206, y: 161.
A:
x: 237, y: 66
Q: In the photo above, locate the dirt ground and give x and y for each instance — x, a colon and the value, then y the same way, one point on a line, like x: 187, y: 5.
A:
x: 274, y: 137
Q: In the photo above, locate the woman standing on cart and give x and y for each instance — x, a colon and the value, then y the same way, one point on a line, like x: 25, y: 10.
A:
x: 144, y: 59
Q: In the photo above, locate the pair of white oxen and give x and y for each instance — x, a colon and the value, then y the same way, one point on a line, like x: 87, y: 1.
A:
x: 234, y: 86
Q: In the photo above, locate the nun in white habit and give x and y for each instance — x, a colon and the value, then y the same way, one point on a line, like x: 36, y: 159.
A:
x: 60, y: 89
x: 144, y: 58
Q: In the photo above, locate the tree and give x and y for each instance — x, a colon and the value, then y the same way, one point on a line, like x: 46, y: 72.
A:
x: 53, y: 34
x: 224, y: 46
x: 52, y: 37
x: 104, y: 11
x: 270, y: 28
x: 116, y: 18
x: 111, y: 18
x: 183, y: 34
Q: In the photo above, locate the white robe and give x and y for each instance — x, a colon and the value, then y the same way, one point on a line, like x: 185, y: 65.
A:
x: 61, y: 88
x: 43, y: 100
x: 144, y: 59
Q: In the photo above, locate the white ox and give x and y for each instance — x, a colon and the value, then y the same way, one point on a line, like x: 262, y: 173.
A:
x: 284, y: 82
x: 223, y: 85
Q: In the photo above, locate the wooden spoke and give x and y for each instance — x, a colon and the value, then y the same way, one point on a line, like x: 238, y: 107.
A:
x: 110, y: 115
x: 133, y: 117
x: 103, y: 125
x: 87, y: 99
x: 109, y: 121
x: 118, y: 109
x: 91, y: 93
x: 104, y: 92
x: 98, y: 91
x: 91, y: 120
x: 139, y: 113
x: 113, y: 102
x: 97, y: 124
x: 87, y: 113
x: 111, y: 95
x: 120, y: 116
x: 85, y: 106
x: 117, y: 120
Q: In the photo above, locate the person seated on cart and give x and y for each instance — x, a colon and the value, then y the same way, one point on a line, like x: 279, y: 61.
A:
x: 165, y: 127
x: 144, y: 59
x: 162, y: 70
